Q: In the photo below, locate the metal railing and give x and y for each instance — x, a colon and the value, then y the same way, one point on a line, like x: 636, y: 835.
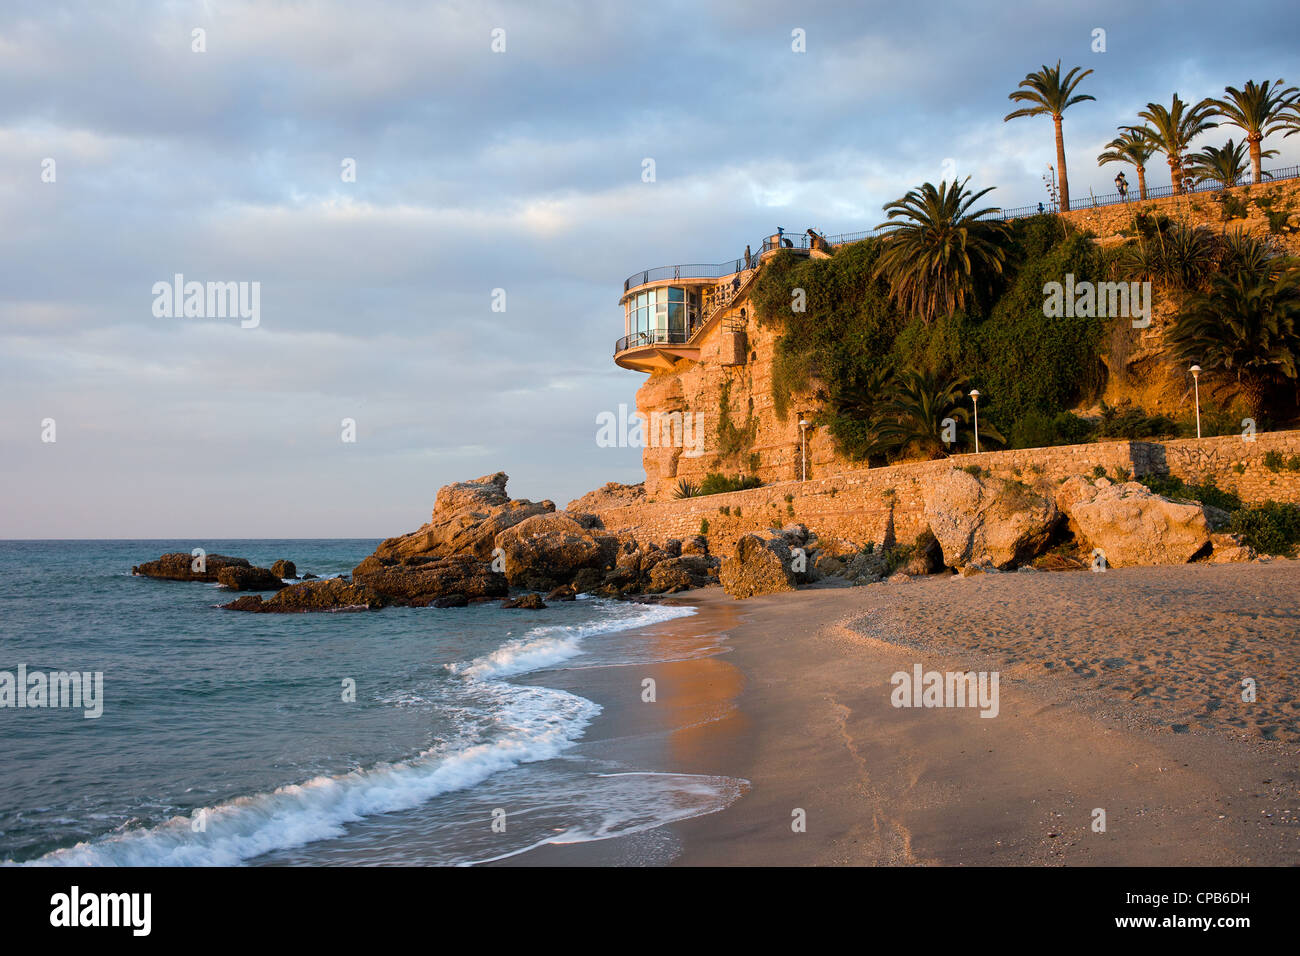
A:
x: 1019, y: 212
x: 652, y: 337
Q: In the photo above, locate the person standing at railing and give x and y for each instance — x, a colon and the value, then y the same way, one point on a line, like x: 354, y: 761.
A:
x: 748, y: 258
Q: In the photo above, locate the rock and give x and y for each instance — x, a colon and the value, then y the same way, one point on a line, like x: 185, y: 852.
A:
x: 1230, y: 548
x: 757, y: 566
x: 240, y: 578
x: 421, y: 581
x: 987, y: 520
x: 179, y: 566
x: 696, y: 545
x: 587, y: 580
x: 680, y: 574
x: 467, y: 517
x: 547, y: 550
x: 864, y: 568
x: 612, y: 494
x: 1057, y: 562
x: 565, y: 592
x: 284, y: 569
x: 827, y: 565
x: 1131, y: 525
x: 899, y: 577
x: 329, y: 594
x: 310, y: 577
x: 450, y: 600
x: 529, y: 602
x: 673, y: 547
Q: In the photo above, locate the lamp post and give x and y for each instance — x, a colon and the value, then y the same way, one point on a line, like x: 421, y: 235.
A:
x: 803, y: 431
x: 1196, y: 385
x: 975, y: 400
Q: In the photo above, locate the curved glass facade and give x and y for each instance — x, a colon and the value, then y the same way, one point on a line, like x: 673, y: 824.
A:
x: 667, y: 313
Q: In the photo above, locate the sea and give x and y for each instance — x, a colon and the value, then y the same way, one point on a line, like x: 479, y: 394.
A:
x: 406, y: 736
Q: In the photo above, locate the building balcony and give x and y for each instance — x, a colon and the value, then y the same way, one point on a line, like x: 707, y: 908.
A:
x: 655, y: 349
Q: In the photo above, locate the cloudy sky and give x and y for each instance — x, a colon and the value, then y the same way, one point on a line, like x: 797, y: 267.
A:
x: 475, y: 170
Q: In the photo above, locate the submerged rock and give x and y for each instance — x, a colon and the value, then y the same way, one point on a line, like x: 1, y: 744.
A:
x: 329, y: 594
x: 179, y: 566
x: 240, y: 578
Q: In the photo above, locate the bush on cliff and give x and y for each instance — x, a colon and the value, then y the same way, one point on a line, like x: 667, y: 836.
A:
x: 1270, y: 528
x: 1022, y: 361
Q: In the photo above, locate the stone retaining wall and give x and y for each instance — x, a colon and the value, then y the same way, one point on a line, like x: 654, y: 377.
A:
x: 884, y: 504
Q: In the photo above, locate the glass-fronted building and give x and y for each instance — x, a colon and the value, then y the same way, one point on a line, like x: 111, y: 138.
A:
x: 664, y: 314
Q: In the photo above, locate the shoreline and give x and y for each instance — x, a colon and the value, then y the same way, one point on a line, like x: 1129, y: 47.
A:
x: 812, y: 727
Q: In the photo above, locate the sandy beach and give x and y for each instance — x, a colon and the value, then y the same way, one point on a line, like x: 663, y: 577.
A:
x: 1119, y: 691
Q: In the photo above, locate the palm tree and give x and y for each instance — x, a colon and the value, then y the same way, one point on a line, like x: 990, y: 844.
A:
x: 1172, y: 130
x: 916, y: 411
x: 937, y: 250
x: 1258, y: 110
x: 1225, y: 165
x: 915, y: 418
x: 1132, y: 146
x: 1051, y: 95
x: 1247, y: 325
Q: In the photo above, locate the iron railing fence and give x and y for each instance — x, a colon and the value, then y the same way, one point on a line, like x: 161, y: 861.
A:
x: 652, y: 337
x: 722, y: 269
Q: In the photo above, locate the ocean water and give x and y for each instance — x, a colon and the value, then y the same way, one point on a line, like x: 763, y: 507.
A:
x: 226, y: 738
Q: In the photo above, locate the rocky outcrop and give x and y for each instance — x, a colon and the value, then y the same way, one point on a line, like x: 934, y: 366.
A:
x: 681, y: 573
x: 547, y: 550
x: 239, y: 577
x: 987, y: 521
x: 421, y: 581
x: 758, y: 566
x: 526, y: 602
x: 329, y: 594
x: 467, y: 517
x: 284, y: 569
x: 1228, y: 548
x: 612, y: 494
x: 179, y: 566
x: 1131, y: 525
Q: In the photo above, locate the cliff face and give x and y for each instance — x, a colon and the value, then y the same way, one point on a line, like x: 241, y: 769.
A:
x: 725, y: 399
x: 739, y: 430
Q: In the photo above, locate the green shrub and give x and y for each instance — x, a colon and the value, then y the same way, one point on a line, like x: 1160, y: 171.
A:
x: 686, y: 489
x: 1274, y: 461
x: 1132, y: 422
x: 1098, y: 471
x: 1270, y: 528
x: 715, y: 483
x: 704, y: 526
x: 1207, y: 493
x: 1293, y: 463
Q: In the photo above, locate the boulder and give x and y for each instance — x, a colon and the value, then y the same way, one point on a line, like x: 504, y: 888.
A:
x: 450, y: 600
x: 467, y: 517
x: 565, y: 592
x: 612, y: 494
x: 528, y: 602
x: 240, y: 578
x: 179, y: 566
x: 1230, y: 548
x: 696, y: 545
x: 547, y: 550
x: 328, y: 594
x: 284, y: 569
x: 1131, y: 525
x: 680, y: 574
x: 419, y: 582
x: 987, y: 520
x: 866, y: 568
x: 757, y: 566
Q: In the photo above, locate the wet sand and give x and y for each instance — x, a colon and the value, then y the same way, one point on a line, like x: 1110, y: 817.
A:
x: 1119, y: 692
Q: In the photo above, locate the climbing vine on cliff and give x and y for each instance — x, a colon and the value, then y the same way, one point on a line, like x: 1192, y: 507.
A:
x: 732, y: 440
x: 1024, y: 363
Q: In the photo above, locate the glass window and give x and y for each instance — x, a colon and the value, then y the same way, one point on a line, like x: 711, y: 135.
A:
x: 676, y: 317
x: 675, y: 295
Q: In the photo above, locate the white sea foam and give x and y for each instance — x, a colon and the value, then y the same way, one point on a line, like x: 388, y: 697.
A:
x: 553, y: 644
x: 533, y: 723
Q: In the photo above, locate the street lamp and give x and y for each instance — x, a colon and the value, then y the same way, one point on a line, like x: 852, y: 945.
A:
x: 1196, y: 384
x: 803, y: 430
x: 975, y: 400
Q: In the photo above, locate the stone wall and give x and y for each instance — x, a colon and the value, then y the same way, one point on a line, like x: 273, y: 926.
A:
x: 884, y: 504
x: 1111, y: 223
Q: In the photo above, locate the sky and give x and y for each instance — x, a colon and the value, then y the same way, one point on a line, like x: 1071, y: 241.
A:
x: 478, y: 171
